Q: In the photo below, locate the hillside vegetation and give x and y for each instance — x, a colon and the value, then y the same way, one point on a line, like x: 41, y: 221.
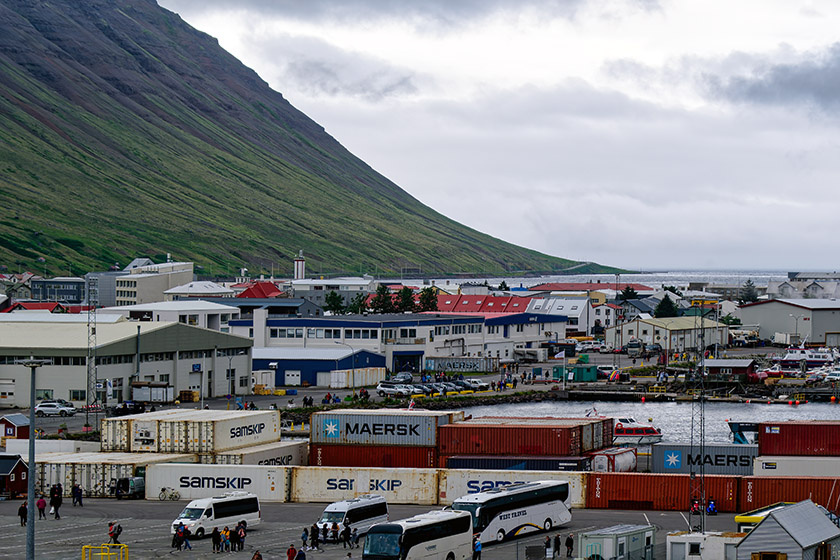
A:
x: 125, y: 132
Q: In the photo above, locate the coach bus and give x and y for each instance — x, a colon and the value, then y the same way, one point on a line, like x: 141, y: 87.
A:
x: 436, y: 535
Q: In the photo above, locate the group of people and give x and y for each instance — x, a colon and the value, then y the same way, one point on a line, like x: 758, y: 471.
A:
x: 229, y: 540
x: 313, y: 536
x: 330, y: 399
x: 555, y: 546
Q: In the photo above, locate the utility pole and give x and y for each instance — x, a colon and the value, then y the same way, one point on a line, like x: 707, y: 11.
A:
x: 92, y: 301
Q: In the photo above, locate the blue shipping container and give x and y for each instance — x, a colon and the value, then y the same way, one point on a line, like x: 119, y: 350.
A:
x: 493, y: 462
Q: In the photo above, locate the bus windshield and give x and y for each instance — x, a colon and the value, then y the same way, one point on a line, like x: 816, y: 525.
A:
x: 191, y: 513
x: 383, y: 542
x: 473, y: 510
x: 332, y: 517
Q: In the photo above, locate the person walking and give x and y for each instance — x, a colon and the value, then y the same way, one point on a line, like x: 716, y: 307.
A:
x: 557, y: 545
x: 570, y: 544
x: 178, y: 537
x: 114, y: 531
x: 55, y: 502
x: 334, y: 532
x: 324, y: 530
x: 301, y: 555
x: 477, y: 549
x: 242, y: 533
x: 23, y: 513
x: 216, y: 540
x: 291, y: 552
x: 345, y: 537
x: 41, y: 504
x: 304, y: 537
x: 354, y: 538
x: 186, y: 539
x: 313, y: 533
x: 76, y: 493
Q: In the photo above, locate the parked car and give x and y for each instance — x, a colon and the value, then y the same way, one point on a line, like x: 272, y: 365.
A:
x: 59, y: 401
x: 832, y: 377
x: 478, y: 384
x: 128, y: 407
x: 54, y: 409
x: 390, y: 390
x: 402, y: 377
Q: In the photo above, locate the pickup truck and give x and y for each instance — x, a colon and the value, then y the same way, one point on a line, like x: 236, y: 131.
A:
x: 478, y: 385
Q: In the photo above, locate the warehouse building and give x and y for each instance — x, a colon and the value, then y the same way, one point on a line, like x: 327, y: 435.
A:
x: 816, y: 321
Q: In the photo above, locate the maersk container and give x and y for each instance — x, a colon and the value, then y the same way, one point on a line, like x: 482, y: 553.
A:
x: 494, y: 462
x: 716, y: 459
x: 455, y: 483
x: 97, y: 473
x: 382, y: 427
x: 333, y: 484
x: 799, y: 438
x: 468, y: 438
x: 271, y: 484
x: 281, y: 453
x: 416, y: 457
x: 615, y: 459
x: 784, y: 465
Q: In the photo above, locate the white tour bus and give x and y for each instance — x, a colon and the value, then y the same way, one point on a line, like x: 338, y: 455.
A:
x: 436, y: 535
x: 200, y: 516
x: 517, y: 508
x: 359, y: 513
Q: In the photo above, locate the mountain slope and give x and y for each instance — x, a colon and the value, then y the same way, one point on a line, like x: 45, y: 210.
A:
x: 125, y: 132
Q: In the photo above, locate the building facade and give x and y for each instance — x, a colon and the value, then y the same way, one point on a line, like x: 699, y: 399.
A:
x: 147, y: 284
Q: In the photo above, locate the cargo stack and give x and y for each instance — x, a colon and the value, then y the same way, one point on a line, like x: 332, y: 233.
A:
x: 523, y: 443
x: 798, y: 448
x: 377, y: 438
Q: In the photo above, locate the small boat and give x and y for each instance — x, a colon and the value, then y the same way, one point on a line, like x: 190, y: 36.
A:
x: 795, y: 357
x: 626, y: 431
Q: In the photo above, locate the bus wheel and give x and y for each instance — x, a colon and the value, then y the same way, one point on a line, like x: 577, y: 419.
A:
x: 450, y: 556
x: 500, y: 536
x: 547, y: 525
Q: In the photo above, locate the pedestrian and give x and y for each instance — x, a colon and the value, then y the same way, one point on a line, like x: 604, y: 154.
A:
x: 55, y: 504
x: 548, y: 546
x: 233, y: 535
x: 257, y: 556
x: 477, y: 549
x: 570, y: 545
x: 291, y: 552
x: 304, y: 536
x: 324, y: 530
x: 225, y: 535
x: 334, y: 532
x: 354, y: 538
x: 23, y: 513
x: 301, y: 555
x: 41, y: 504
x: 557, y: 544
x: 114, y: 531
x: 345, y: 537
x: 178, y: 537
x: 242, y: 534
x: 186, y: 539
x: 216, y: 540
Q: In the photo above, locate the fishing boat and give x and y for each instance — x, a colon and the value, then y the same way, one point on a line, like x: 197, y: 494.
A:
x: 626, y: 431
x: 795, y: 356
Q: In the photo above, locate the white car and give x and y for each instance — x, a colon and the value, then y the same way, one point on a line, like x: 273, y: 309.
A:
x: 478, y: 385
x: 387, y: 390
x: 832, y: 377
x: 54, y: 409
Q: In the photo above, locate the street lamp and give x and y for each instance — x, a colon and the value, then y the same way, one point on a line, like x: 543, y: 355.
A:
x: 796, y: 325
x: 353, y: 364
x: 32, y: 364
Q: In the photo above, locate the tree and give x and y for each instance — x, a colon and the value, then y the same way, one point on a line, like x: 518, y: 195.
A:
x: 358, y: 304
x: 628, y: 293
x: 672, y: 289
x: 666, y: 308
x: 334, y: 303
x: 728, y: 319
x: 503, y: 287
x: 383, y: 301
x: 748, y: 292
x: 428, y: 300
x: 405, y: 300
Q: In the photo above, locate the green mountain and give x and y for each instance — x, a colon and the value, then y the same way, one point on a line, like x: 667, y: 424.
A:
x: 125, y: 132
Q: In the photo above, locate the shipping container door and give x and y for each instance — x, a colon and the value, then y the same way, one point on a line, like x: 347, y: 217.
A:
x: 677, y: 551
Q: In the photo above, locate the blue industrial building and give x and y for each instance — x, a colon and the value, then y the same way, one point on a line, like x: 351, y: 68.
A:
x: 300, y: 366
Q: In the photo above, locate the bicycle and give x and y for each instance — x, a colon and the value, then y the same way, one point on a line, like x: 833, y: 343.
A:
x: 169, y: 493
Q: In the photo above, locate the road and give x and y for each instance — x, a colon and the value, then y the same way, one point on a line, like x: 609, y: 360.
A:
x: 146, y: 530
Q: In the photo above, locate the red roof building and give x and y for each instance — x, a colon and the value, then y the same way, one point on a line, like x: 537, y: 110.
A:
x: 262, y: 290
x: 51, y: 306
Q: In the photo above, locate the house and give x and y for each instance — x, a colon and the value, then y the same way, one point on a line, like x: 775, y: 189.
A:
x: 730, y: 367
x: 13, y: 472
x: 14, y: 426
x: 61, y: 288
x: 348, y: 288
x: 46, y: 306
x: 797, y: 532
x: 261, y: 290
x: 673, y: 334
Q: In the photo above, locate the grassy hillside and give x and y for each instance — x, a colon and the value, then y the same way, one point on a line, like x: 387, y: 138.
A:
x: 125, y: 132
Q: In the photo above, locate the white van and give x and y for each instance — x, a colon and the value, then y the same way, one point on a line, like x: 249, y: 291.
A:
x: 200, y: 516
x: 359, y: 513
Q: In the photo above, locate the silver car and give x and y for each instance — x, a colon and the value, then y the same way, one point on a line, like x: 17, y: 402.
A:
x: 54, y: 409
x: 388, y: 390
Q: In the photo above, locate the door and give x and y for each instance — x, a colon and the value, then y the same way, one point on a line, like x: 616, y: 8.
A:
x: 293, y: 378
x: 677, y: 551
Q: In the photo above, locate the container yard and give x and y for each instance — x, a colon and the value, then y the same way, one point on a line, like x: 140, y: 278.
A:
x: 271, y: 484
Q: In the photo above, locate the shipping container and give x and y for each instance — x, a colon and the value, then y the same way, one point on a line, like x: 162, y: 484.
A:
x: 190, y: 430
x: 664, y: 492
x: 495, y: 462
x: 592, y: 430
x: 325, y: 455
x: 470, y: 438
x: 97, y: 473
x: 465, y: 365
x: 278, y: 454
x: 271, y: 484
x: 614, y: 459
x: 333, y: 484
x: 799, y: 438
x: 455, y: 483
x: 380, y: 427
x: 727, y: 459
x: 21, y: 446
x: 359, y: 377
x: 784, y: 465
x: 762, y: 491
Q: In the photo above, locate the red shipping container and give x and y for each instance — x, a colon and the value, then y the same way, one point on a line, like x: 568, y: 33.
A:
x: 467, y: 438
x: 804, y: 437
x: 323, y: 455
x: 664, y: 492
x: 761, y: 491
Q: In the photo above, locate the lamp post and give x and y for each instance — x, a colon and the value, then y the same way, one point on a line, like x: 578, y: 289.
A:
x: 353, y: 365
x: 796, y: 325
x: 32, y: 364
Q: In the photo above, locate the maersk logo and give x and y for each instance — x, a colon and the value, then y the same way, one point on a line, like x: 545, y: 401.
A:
x: 673, y: 459
x: 331, y: 429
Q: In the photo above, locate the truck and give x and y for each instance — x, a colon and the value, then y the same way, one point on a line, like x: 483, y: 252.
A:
x: 785, y: 339
x: 635, y: 348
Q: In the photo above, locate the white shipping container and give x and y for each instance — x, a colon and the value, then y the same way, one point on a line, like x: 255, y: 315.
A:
x: 616, y: 459
x: 21, y: 446
x: 271, y: 484
x: 96, y: 472
x: 280, y: 454
x: 360, y: 377
x: 333, y: 484
x: 788, y: 465
x: 117, y: 433
x: 454, y: 483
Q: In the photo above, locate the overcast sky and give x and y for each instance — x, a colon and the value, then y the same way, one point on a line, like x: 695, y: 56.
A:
x: 634, y: 133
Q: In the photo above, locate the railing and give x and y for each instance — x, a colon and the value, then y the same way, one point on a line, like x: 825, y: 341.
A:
x: 105, y: 552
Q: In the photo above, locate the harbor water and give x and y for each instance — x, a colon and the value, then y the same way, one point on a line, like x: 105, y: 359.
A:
x: 673, y: 418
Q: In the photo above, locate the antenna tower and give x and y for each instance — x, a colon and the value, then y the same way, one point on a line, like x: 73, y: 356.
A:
x: 93, y: 301
x: 697, y: 483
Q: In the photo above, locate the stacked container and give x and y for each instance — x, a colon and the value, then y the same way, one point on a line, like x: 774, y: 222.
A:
x: 798, y: 448
x: 377, y: 438
x: 280, y: 453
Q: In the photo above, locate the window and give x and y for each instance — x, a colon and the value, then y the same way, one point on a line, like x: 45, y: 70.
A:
x: 243, y: 381
x: 43, y: 394
x: 78, y: 395
x: 164, y: 378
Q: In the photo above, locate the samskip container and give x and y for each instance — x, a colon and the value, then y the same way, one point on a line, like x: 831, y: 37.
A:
x: 646, y: 491
x: 280, y: 453
x: 324, y: 455
x: 383, y: 427
x: 271, y: 484
x: 799, y: 437
x: 716, y: 459
x: 524, y: 463
x: 455, y: 483
x: 333, y: 484
x: 468, y: 438
x: 761, y: 491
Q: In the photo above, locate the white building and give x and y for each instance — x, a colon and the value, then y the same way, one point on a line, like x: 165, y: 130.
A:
x: 196, y: 313
x: 147, y: 283
x: 703, y: 546
x: 315, y: 290
x: 816, y: 321
x: 198, y: 289
x: 674, y: 334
